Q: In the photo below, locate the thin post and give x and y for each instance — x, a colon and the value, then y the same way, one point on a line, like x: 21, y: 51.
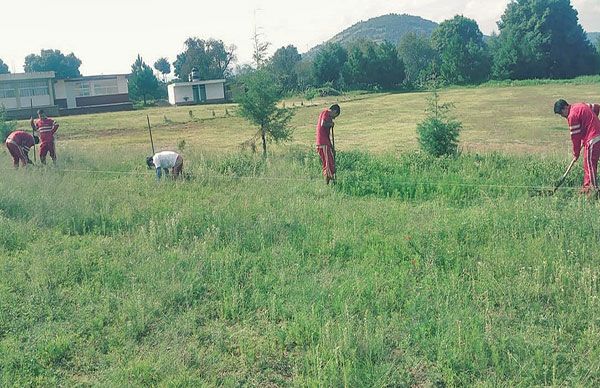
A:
x: 150, y: 131
x: 33, y: 131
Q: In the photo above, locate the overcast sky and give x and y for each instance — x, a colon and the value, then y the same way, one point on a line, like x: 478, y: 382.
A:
x: 107, y: 35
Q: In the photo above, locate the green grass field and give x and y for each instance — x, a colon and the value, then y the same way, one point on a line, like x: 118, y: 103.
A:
x: 409, y: 272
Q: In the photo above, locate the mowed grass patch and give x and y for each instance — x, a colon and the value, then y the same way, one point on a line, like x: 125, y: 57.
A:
x: 511, y: 119
x: 254, y: 272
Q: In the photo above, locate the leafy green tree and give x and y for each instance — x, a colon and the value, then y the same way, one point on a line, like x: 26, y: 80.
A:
x: 3, y: 67
x: 372, y: 65
x: 542, y: 39
x: 418, y: 57
x: 64, y: 66
x: 284, y: 64
x: 328, y: 63
x: 163, y: 66
x: 463, y: 54
x: 390, y: 68
x: 258, y: 104
x: 211, y: 57
x: 142, y: 81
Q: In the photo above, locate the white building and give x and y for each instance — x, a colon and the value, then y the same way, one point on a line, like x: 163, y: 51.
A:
x: 23, y: 93
x: 101, y: 93
x: 197, y: 92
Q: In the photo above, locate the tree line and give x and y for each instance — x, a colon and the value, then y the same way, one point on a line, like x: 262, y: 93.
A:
x: 536, y: 39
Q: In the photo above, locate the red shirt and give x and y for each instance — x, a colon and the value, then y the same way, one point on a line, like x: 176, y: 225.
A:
x: 22, y: 139
x: 584, y: 125
x: 47, y: 128
x: 323, y: 127
x: 595, y: 108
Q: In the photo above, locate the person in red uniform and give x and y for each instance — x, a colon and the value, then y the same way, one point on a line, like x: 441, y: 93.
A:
x: 324, y: 144
x: 595, y: 108
x: 18, y: 144
x: 584, y: 127
x: 46, y: 127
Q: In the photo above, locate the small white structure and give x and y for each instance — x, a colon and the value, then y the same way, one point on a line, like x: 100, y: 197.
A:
x: 197, y: 92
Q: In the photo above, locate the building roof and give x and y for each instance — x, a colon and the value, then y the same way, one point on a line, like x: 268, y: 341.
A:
x: 26, y: 76
x: 205, y: 82
x: 95, y: 77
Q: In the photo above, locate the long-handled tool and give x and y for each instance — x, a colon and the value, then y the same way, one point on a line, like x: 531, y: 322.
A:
x: 333, y: 152
x: 150, y: 131
x: 562, y: 178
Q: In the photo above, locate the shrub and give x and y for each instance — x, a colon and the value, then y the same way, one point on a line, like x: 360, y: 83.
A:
x: 438, y: 133
x: 6, y: 126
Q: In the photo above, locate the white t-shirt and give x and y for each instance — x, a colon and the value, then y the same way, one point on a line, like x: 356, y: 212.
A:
x: 165, y: 159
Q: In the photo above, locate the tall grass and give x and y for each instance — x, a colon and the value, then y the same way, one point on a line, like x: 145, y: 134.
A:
x: 411, y: 271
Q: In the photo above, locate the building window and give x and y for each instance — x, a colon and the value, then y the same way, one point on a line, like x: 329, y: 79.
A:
x: 82, y: 89
x: 34, y: 88
x: 7, y: 92
x: 104, y: 87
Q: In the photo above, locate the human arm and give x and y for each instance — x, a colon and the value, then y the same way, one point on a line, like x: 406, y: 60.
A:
x: 54, y: 127
x: 576, y: 131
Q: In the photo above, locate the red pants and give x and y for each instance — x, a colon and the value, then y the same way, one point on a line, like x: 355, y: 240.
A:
x: 44, y: 149
x: 17, y: 153
x: 327, y: 160
x: 591, y: 154
x: 178, y: 167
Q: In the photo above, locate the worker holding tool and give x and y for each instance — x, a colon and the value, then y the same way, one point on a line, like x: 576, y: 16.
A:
x: 46, y: 127
x: 165, y: 160
x: 584, y: 127
x: 18, y: 144
x: 326, y: 142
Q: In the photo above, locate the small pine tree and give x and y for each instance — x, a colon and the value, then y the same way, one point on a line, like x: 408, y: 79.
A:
x: 438, y: 133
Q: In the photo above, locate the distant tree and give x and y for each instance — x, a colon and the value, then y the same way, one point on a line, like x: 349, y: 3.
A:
x: 542, y: 39
x: 306, y: 78
x: 373, y: 65
x: 463, y: 54
x: 163, y: 66
x: 260, y: 47
x: 418, y: 57
x: 211, y: 57
x: 328, y: 63
x: 284, y: 64
x: 53, y: 60
x: 3, y: 67
x: 258, y: 104
x: 390, y: 69
x: 142, y: 81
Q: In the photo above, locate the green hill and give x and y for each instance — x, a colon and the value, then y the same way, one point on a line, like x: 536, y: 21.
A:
x: 389, y: 28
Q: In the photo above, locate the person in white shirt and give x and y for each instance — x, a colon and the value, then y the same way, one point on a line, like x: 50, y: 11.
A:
x: 166, y: 160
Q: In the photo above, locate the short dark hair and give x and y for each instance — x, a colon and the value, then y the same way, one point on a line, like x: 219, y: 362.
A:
x: 150, y: 161
x: 40, y: 112
x: 560, y: 105
x: 336, y: 108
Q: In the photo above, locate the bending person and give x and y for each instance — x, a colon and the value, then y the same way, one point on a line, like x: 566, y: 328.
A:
x: 18, y: 144
x: 165, y: 160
